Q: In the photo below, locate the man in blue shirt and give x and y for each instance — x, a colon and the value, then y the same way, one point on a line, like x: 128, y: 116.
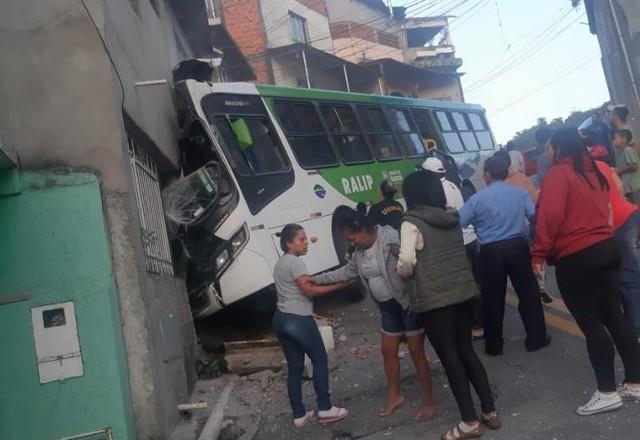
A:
x: 498, y: 213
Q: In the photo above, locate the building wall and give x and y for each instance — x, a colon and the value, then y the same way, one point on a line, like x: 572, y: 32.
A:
x: 361, y: 32
x: 275, y: 15
x: 53, y: 265
x: 614, y: 64
x: 66, y: 110
x: 243, y: 20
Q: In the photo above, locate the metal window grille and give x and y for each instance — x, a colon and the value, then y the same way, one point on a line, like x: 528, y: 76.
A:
x: 152, y: 221
x: 104, y: 434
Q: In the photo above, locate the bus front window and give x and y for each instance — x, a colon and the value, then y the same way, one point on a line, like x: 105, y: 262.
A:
x: 252, y: 145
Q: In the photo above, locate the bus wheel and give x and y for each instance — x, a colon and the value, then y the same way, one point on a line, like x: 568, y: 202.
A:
x: 467, y: 190
x: 339, y: 243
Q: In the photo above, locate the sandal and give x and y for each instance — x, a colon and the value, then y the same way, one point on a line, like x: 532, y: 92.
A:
x: 491, y: 422
x: 456, y: 433
x: 301, y: 422
x: 332, y: 415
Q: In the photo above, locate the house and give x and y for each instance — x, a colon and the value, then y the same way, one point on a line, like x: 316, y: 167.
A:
x: 98, y: 332
x: 348, y: 45
x: 616, y: 23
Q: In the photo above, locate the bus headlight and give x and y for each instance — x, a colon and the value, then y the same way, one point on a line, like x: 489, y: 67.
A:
x: 239, y: 239
x: 231, y: 249
x: 222, y: 261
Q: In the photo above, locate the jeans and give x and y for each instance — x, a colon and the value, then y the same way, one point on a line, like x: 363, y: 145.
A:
x: 499, y: 260
x: 449, y: 331
x: 588, y: 282
x: 299, y: 335
x: 628, y: 238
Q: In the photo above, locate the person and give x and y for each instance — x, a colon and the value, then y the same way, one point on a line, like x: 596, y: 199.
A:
x: 374, y: 263
x: 516, y: 177
x: 626, y: 225
x: 498, y: 213
x: 542, y: 135
x: 455, y: 200
x: 361, y: 207
x: 387, y: 212
x: 296, y: 328
x: 574, y: 234
x: 517, y: 158
x: 441, y: 289
x: 627, y: 165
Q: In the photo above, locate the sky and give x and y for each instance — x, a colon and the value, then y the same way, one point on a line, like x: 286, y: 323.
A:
x: 523, y: 59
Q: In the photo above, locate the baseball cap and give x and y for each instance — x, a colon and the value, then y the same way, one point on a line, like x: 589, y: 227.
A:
x: 434, y: 165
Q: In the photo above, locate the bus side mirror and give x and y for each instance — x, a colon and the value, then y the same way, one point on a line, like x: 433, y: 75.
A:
x: 242, y: 133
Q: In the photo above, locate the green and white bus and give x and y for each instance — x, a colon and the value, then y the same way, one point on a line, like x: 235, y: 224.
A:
x: 291, y: 155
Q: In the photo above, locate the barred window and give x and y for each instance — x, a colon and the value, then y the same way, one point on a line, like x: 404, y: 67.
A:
x: 149, y: 200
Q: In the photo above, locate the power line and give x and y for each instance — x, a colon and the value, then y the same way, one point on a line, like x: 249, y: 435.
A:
x: 561, y: 75
x: 522, y: 55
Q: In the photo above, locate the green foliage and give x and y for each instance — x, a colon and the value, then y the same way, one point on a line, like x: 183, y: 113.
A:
x: 525, y: 139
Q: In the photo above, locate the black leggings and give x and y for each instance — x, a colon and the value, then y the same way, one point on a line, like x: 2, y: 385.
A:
x: 589, y: 284
x: 449, y: 331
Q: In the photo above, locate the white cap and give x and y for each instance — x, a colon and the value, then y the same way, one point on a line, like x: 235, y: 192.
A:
x: 433, y: 164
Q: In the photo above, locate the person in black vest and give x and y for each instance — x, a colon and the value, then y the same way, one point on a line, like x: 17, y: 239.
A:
x: 387, y: 212
x: 441, y: 290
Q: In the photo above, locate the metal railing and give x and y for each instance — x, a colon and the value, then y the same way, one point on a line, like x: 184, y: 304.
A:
x: 152, y: 221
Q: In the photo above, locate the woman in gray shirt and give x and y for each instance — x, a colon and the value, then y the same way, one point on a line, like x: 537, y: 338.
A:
x: 297, y: 330
x: 374, y: 263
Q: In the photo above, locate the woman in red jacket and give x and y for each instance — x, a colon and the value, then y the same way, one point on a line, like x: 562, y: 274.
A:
x: 573, y: 232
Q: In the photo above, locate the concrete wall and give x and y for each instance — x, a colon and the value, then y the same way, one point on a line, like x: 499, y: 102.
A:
x: 614, y: 64
x: 65, y: 103
x: 66, y: 262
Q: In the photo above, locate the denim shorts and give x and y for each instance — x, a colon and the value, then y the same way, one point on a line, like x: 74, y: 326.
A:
x: 398, y: 322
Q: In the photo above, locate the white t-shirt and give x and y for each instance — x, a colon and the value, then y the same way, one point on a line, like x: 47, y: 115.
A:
x: 517, y: 160
x: 455, y: 201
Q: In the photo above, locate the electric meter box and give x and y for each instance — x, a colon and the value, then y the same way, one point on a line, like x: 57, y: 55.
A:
x: 55, y: 333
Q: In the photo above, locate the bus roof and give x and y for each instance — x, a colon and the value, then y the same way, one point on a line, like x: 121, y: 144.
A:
x: 294, y: 92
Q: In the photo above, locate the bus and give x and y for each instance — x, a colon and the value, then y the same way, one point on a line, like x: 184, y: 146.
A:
x: 293, y: 155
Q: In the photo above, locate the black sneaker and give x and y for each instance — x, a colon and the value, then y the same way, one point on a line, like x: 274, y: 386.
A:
x: 546, y: 299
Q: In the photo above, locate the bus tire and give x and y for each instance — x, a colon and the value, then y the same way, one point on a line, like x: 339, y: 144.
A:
x: 339, y: 243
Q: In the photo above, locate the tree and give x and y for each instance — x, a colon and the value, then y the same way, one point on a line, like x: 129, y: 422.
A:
x: 525, y: 139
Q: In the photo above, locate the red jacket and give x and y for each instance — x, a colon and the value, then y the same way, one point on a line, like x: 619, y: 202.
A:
x: 571, y: 215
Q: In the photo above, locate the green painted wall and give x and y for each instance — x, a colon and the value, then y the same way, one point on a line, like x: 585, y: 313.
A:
x: 53, y: 245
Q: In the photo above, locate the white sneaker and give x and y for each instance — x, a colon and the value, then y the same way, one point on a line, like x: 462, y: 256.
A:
x: 301, y: 422
x: 627, y: 392
x: 600, y: 403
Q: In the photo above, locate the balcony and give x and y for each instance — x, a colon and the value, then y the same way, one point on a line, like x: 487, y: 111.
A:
x: 429, y: 43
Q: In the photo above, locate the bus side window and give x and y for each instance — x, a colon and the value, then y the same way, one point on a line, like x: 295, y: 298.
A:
x: 305, y: 133
x: 346, y: 133
x: 481, y: 130
x: 467, y: 136
x: 428, y: 132
x: 449, y: 134
x: 379, y: 132
x: 405, y: 130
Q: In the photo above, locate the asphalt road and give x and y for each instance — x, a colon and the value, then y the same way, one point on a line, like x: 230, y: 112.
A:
x: 536, y: 393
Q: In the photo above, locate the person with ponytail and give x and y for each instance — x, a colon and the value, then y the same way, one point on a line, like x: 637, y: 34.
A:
x: 297, y: 330
x: 374, y: 264
x: 574, y: 233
